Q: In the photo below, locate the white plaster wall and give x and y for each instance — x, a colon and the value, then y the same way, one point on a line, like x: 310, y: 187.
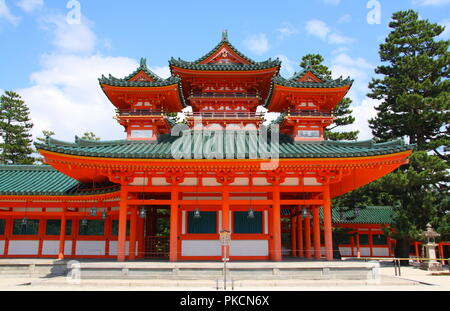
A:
x: 249, y: 248
x: 365, y: 251
x: 91, y: 248
x: 113, y: 248
x: 201, y: 248
x: 345, y: 251
x: 240, y: 181
x: 311, y: 181
x: 52, y: 247
x: 2, y: 247
x: 290, y: 181
x: 382, y: 251
x: 158, y: 181
x: 207, y: 181
x: 23, y: 247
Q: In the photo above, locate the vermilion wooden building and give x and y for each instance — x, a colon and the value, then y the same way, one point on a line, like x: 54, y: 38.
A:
x: 183, y: 184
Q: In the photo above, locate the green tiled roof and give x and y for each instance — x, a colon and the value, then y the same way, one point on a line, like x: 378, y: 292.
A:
x: 217, y: 47
x: 158, y: 81
x: 326, y: 84
x: 44, y: 180
x: 113, y: 81
x: 300, y: 74
x: 231, y: 144
x: 367, y: 215
x: 253, y: 65
x: 270, y: 63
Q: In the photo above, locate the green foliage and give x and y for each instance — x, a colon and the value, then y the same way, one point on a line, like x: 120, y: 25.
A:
x: 342, y: 111
x: 414, y: 87
x: 15, y: 126
x: 41, y: 140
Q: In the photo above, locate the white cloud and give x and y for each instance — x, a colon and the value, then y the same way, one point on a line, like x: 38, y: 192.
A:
x: 258, y: 44
x: 317, y: 28
x: 431, y: 2
x: 162, y: 71
x: 30, y: 5
x: 65, y: 96
x: 363, y: 107
x: 287, y: 30
x: 320, y: 29
x: 335, y: 38
x: 346, y: 18
x: 71, y: 38
x: 362, y: 113
x: 287, y: 66
x: 5, y: 13
x: 446, y: 33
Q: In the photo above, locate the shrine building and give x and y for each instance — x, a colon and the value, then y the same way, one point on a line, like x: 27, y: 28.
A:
x: 168, y: 189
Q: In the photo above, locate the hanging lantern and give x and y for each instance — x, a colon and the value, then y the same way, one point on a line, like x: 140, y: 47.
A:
x: 104, y: 215
x: 305, y: 212
x: 197, y: 213
x: 357, y: 211
x: 341, y: 214
x: 142, y: 212
x: 84, y: 222
x: 93, y: 212
x: 24, y: 221
x: 251, y: 213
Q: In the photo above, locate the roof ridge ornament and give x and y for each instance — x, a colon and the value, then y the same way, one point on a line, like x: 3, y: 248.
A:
x: 143, y: 62
x: 225, y: 35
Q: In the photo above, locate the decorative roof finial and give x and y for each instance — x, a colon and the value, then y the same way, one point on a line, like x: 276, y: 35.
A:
x: 225, y: 35
x: 143, y: 62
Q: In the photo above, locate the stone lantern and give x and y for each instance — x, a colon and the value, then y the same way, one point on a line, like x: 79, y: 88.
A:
x: 430, y: 250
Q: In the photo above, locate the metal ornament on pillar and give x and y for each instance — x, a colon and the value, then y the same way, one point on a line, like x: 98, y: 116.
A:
x: 142, y: 212
x: 93, y: 212
x: 305, y: 212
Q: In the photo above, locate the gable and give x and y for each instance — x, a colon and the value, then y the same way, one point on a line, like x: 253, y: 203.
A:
x: 309, y: 77
x: 141, y: 76
x: 224, y: 55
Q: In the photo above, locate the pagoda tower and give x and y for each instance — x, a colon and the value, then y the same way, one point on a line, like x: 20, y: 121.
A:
x: 140, y: 182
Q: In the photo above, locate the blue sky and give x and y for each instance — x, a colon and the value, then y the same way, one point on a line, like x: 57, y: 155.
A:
x: 54, y: 65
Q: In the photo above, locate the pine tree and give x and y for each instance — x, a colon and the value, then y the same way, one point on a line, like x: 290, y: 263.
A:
x: 414, y: 95
x: 414, y: 87
x: 90, y: 136
x: 15, y: 126
x: 342, y: 111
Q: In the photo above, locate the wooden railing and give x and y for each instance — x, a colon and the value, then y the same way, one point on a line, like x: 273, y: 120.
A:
x: 224, y: 115
x: 224, y: 95
x: 139, y: 112
x: 310, y: 113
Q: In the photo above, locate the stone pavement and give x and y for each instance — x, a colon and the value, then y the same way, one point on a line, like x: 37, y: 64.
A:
x: 412, y: 279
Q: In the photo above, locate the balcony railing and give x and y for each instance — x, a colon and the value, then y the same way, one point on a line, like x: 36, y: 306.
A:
x: 139, y: 112
x: 224, y: 115
x: 310, y: 113
x: 224, y: 95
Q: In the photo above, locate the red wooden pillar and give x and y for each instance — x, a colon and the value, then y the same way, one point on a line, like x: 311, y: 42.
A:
x: 327, y: 224
x: 293, y: 233
x: 122, y: 236
x: 316, y: 232
x: 226, y: 216
x: 173, y: 252
x: 307, y: 238
x: 276, y: 225
x: 62, y: 235
x: 140, y: 237
x: 300, y: 235
x: 133, y: 228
